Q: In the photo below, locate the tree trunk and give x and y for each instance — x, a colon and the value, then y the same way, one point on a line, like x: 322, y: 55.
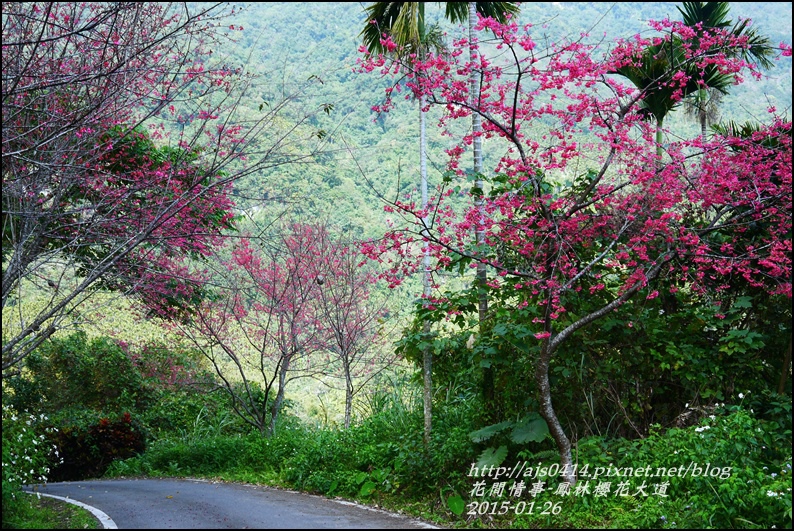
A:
x: 348, y: 396
x: 784, y: 371
x: 427, y: 355
x: 427, y: 371
x: 479, y: 232
x: 659, y: 138
x: 548, y: 414
x: 282, y: 383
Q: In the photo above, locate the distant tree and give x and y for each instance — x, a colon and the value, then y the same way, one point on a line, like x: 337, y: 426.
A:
x: 706, y: 17
x: 260, y: 326
x: 499, y: 11
x: 293, y: 304
x: 399, y: 28
x: 651, y: 72
x: 353, y: 320
x: 704, y: 106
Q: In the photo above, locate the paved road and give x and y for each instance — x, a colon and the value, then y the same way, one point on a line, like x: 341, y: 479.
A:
x: 197, y: 504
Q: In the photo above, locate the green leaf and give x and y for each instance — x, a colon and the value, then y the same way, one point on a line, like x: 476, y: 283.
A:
x: 333, y: 487
x: 524, y: 346
x: 531, y: 428
x: 367, y: 488
x: 489, y: 431
x: 381, y: 474
x: 500, y: 329
x: 456, y: 504
x: 492, y: 457
x: 360, y: 477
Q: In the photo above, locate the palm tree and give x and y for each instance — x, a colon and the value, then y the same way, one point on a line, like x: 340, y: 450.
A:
x: 714, y: 15
x: 704, y: 106
x: 405, y: 23
x: 457, y: 12
x: 653, y: 77
x: 660, y: 62
x: 706, y: 16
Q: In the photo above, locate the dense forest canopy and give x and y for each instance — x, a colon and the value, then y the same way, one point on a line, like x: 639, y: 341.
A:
x: 288, y: 43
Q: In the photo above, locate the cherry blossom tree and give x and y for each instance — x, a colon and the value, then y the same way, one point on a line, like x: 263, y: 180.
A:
x: 354, y: 320
x: 120, y: 142
x: 293, y: 304
x: 582, y: 214
x: 260, y: 327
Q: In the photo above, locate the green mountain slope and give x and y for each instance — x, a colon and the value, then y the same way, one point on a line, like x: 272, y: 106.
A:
x: 288, y: 44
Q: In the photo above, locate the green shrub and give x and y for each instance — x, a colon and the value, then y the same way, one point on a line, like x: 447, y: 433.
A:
x: 189, y: 413
x: 326, y: 461
x: 26, y: 457
x: 88, y: 450
x: 74, y: 373
x: 754, y: 488
x: 270, y: 453
x: 726, y: 477
x: 206, y: 456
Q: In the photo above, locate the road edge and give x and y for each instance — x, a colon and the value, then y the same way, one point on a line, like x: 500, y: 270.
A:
x: 106, y: 521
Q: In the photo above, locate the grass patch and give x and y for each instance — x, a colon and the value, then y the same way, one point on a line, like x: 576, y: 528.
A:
x: 32, y: 512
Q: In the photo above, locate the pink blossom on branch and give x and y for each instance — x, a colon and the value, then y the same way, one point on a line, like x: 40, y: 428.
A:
x: 585, y: 194
x: 294, y: 305
x: 94, y: 97
x: 624, y: 216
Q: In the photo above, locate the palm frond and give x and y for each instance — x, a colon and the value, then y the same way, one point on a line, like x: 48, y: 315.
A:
x: 458, y: 12
x: 381, y: 18
x: 715, y: 15
x: 708, y: 14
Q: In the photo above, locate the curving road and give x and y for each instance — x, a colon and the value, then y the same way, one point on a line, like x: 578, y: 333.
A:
x: 200, y: 504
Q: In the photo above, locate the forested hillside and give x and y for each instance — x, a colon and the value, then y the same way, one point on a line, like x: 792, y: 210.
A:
x: 368, y: 154
x: 528, y: 270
